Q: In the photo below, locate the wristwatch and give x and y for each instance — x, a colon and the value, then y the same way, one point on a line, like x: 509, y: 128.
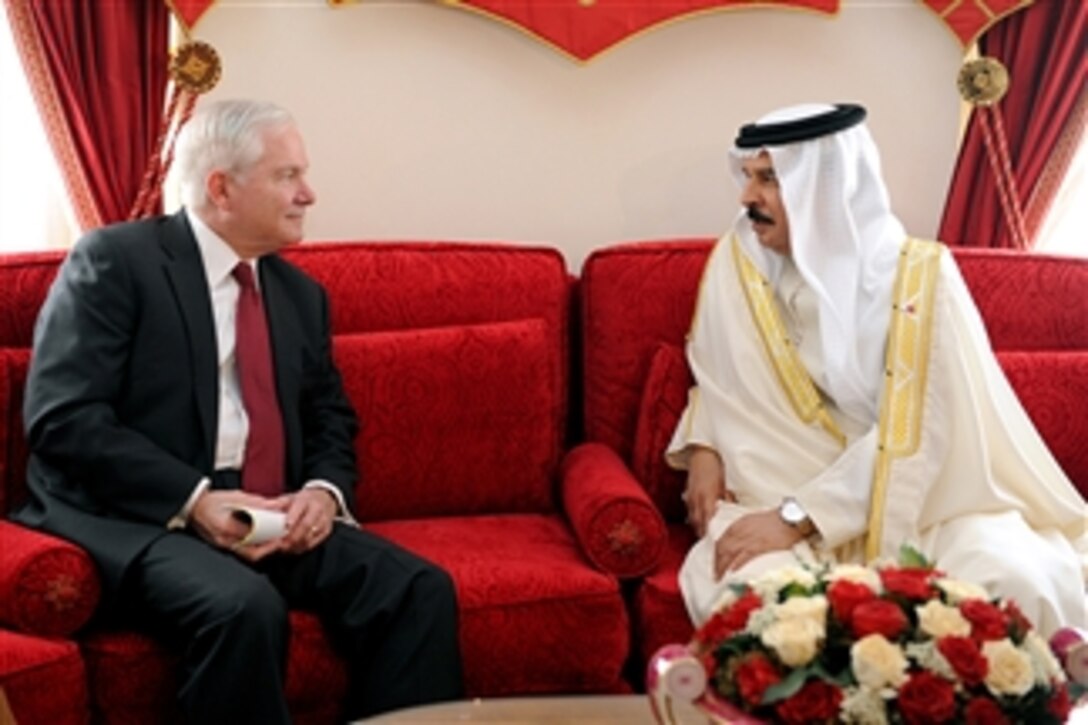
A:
x: 791, y: 513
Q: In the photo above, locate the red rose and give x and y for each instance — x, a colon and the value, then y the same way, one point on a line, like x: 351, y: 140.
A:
x: 966, y: 659
x: 725, y: 623
x: 911, y: 583
x: 845, y: 595
x: 754, y: 675
x: 878, y: 616
x: 984, y: 711
x: 1059, y: 705
x: 816, y: 701
x: 710, y: 663
x: 1019, y: 626
x: 927, y: 698
x: 987, y: 621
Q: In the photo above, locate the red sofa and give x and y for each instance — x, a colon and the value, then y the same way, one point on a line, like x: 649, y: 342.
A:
x: 456, y: 357
x: 636, y: 306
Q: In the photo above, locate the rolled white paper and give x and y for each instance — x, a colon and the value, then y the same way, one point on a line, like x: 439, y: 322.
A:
x: 264, y: 525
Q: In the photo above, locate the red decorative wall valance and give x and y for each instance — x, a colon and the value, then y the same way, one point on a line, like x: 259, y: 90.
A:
x: 584, y: 28
x: 968, y: 19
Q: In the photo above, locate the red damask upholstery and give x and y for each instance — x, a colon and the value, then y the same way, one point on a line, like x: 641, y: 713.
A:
x: 41, y: 680
x: 636, y: 305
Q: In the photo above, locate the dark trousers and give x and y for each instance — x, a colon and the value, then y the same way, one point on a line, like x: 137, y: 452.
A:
x: 392, y: 615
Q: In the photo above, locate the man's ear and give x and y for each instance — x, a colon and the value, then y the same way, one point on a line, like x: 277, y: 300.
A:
x: 216, y: 187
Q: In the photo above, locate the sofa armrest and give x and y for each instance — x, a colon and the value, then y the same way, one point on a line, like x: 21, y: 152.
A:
x: 618, y: 526
x: 48, y: 586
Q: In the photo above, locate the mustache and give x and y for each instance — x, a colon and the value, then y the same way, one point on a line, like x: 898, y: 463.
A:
x: 757, y: 216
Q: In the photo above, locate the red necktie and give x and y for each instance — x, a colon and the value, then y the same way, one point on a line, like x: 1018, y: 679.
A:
x: 262, y: 470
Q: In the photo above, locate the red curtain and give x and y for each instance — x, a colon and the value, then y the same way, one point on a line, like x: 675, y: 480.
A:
x: 1043, y: 116
x: 98, y: 71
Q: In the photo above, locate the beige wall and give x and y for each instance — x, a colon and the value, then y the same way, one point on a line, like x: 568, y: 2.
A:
x: 424, y: 121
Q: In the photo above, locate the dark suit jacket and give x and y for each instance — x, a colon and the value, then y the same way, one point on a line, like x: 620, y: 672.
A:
x: 122, y: 395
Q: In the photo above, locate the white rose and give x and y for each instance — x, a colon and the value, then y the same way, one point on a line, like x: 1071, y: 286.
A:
x: 1046, y: 665
x: 864, y: 707
x: 958, y: 591
x: 795, y: 641
x: 813, y: 609
x: 769, y: 585
x: 857, y: 574
x: 940, y: 620
x: 930, y: 658
x: 1010, y: 669
x: 877, y: 662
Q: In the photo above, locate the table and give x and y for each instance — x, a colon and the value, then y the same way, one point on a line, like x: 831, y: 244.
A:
x: 580, y: 709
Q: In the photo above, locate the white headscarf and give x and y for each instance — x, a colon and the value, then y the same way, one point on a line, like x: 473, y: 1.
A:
x: 845, y: 241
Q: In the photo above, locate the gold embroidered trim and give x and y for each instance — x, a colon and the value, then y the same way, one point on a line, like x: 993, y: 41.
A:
x: 795, y: 380
x: 905, y: 371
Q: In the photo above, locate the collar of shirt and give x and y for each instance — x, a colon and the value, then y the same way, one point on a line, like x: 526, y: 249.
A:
x: 219, y: 258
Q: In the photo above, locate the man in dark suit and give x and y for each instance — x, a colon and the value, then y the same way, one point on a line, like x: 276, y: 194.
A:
x: 149, y: 424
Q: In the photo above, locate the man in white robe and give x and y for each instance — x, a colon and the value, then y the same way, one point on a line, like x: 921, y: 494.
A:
x: 847, y: 400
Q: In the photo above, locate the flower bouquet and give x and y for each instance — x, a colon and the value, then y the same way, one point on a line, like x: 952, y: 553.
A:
x: 889, y: 643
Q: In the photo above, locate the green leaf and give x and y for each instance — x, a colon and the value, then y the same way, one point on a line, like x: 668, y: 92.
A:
x: 793, y: 682
x: 911, y: 558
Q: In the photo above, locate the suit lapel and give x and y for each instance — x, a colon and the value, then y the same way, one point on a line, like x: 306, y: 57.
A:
x: 185, y: 272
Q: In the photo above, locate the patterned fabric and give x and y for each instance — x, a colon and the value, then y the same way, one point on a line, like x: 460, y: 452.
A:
x: 1028, y: 301
x: 663, y: 399
x: 455, y: 420
x: 659, y: 613
x: 526, y: 596
x: 617, y: 524
x: 13, y: 450
x: 42, y: 679
x: 47, y: 586
x: 633, y: 297
x: 132, y: 678
x: 1053, y: 386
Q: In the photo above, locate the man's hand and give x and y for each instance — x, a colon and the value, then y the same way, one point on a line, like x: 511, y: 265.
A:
x: 311, y: 514
x: 212, y: 520
x: 750, y: 536
x: 705, y: 487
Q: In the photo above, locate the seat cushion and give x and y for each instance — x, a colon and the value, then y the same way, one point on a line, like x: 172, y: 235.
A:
x: 42, y: 680
x: 455, y: 420
x: 133, y: 678
x: 535, y: 617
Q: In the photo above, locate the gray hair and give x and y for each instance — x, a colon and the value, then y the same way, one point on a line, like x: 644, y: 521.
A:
x: 222, y: 136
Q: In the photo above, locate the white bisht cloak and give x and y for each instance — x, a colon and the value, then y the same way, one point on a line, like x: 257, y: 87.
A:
x: 979, y: 494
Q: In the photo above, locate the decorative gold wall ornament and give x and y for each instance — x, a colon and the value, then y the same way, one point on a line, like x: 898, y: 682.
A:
x: 195, y: 67
x: 983, y: 81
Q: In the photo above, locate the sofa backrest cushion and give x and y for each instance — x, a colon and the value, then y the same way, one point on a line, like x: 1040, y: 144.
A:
x: 455, y: 420
x: 438, y: 310
x: 24, y: 282
x: 664, y: 397
x: 1028, y: 301
x: 1053, y: 387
